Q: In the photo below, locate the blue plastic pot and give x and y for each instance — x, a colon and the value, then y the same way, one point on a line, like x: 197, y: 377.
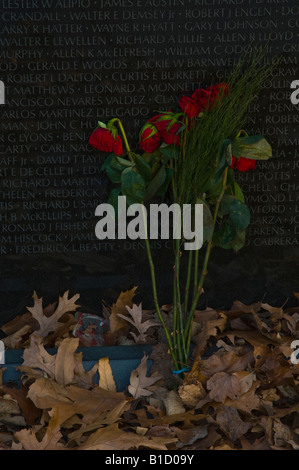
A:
x: 123, y: 360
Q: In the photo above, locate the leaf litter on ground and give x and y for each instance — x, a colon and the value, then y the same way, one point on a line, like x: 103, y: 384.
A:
x: 241, y: 392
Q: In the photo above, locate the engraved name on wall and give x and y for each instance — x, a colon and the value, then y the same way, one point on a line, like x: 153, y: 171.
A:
x: 68, y: 63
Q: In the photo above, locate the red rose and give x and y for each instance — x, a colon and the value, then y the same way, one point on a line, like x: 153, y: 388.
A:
x: 243, y: 164
x: 149, y: 138
x: 202, y: 98
x: 189, y: 106
x: 221, y: 89
x: 171, y: 137
x: 168, y: 127
x: 205, y: 98
x: 103, y: 140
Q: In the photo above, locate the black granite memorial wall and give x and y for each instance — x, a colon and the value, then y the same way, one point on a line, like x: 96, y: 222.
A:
x: 65, y: 64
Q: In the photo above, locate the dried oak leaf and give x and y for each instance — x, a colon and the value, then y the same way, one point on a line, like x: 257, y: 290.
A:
x: 65, y: 367
x: 15, y: 340
x: 50, y: 440
x: 191, y: 393
x: 37, y: 357
x: 173, y: 403
x: 185, y: 420
x: 258, y: 444
x: 270, y: 394
x: 243, y: 308
x: 260, y: 353
x: 204, y: 444
x: 139, y: 382
x: 223, y: 385
x: 48, y: 324
x: 253, y: 337
x: 84, y: 378
x: 292, y: 323
x: 282, y: 433
x: 30, y: 411
x: 209, y: 328
x: 228, y: 362
x: 8, y: 406
x: 114, y: 439
x: 160, y: 431
x: 276, y: 369
x: 65, y: 361
x: 231, y: 424
x: 276, y: 312
x: 64, y: 331
x: 106, y: 381
x: 188, y: 437
x: 18, y: 323
x: 223, y: 447
x: 95, y: 405
x: 136, y: 320
x: 125, y: 299
x: 247, y: 401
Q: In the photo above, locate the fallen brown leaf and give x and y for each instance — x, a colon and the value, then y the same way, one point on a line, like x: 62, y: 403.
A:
x: 48, y: 324
x: 65, y: 362
x: 228, y: 362
x: 18, y: 323
x: 30, y: 411
x: 209, y: 328
x: 136, y: 320
x: 94, y: 405
x: 191, y: 393
x: 112, y: 438
x: 50, y: 440
x: 15, y: 340
x: 139, y: 382
x: 231, y: 424
x: 37, y: 357
x: 106, y: 377
x: 120, y: 307
x: 223, y: 385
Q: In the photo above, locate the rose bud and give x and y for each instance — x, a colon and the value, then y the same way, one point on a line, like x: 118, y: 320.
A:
x: 102, y: 139
x: 149, y: 138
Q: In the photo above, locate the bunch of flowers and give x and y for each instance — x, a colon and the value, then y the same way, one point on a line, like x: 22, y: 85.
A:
x: 195, y: 152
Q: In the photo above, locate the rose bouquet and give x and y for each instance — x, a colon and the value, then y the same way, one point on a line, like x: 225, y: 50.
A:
x: 194, y: 152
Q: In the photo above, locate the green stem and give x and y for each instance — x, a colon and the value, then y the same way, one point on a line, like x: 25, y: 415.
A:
x: 196, y: 272
x: 179, y: 321
x: 155, y: 295
x: 122, y: 130
x: 175, y: 309
x: 188, y: 281
x: 187, y: 334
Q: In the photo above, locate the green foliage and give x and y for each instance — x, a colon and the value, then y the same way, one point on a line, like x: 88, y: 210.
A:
x: 139, y: 181
x: 171, y: 151
x: 239, y: 215
x: 238, y: 192
x: 163, y: 188
x: 201, y: 157
x: 254, y: 147
x: 156, y: 183
x: 132, y: 186
x: 143, y: 167
x: 234, y: 218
